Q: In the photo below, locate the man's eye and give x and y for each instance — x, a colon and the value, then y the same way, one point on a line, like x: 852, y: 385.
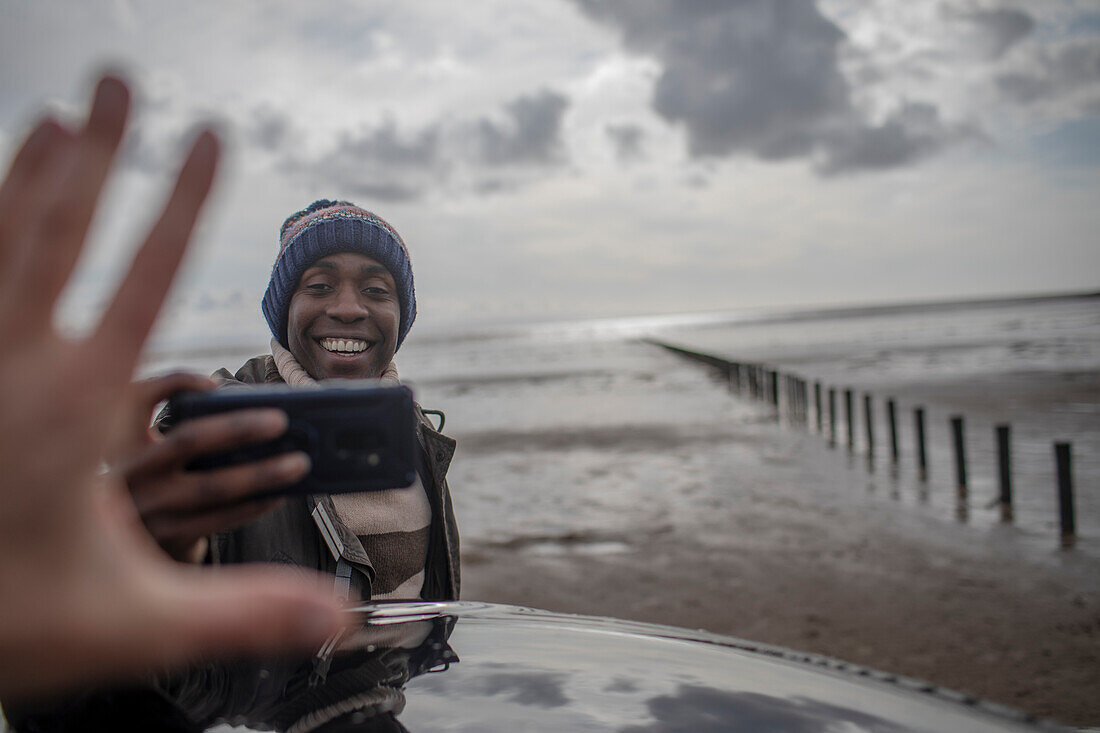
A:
x: 375, y: 290
x: 318, y: 288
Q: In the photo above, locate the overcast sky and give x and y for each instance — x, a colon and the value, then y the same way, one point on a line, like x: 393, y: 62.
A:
x: 553, y: 159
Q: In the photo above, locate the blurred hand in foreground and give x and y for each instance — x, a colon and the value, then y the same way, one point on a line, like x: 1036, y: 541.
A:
x: 181, y: 508
x: 85, y: 593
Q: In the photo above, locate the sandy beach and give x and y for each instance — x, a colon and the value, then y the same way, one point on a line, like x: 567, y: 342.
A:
x: 1023, y: 633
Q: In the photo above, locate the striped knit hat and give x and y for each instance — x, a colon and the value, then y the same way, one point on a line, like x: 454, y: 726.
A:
x: 328, y: 227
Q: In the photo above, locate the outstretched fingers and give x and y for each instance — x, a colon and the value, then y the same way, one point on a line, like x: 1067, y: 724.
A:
x: 27, y: 192
x: 68, y: 212
x: 174, y: 530
x: 249, y: 610
x: 167, y: 615
x: 185, y: 492
x: 209, y: 434
x: 126, y: 324
x: 16, y: 200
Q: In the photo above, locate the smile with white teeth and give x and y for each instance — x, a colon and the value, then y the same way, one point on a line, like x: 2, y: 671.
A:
x: 343, y: 346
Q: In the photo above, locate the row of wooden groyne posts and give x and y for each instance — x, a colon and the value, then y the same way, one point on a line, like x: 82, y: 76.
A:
x: 763, y: 382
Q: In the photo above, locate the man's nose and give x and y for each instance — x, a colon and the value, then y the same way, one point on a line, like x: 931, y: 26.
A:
x: 347, y: 306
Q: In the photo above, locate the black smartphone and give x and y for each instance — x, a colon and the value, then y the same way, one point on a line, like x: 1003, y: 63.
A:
x: 359, y: 438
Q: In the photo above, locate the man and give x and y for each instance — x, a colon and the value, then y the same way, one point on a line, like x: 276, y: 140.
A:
x: 340, y: 302
x: 85, y: 595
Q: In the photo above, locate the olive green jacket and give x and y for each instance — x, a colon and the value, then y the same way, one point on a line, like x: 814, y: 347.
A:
x: 291, y: 534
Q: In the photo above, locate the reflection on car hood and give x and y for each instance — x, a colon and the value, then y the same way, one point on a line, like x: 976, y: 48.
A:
x: 481, y: 667
x: 486, y: 667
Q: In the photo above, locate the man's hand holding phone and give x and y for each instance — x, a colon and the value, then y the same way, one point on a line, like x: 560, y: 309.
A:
x: 181, y: 508
x: 231, y: 454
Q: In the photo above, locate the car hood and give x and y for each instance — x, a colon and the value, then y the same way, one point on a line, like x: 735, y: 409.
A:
x: 485, y: 667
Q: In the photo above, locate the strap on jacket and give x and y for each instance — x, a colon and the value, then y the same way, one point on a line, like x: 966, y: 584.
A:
x: 342, y: 584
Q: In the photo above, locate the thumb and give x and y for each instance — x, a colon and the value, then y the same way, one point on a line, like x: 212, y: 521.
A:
x: 148, y: 392
x: 130, y: 427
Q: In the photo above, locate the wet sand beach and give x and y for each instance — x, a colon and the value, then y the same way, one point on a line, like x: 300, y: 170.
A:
x: 648, y: 492
x: 972, y: 612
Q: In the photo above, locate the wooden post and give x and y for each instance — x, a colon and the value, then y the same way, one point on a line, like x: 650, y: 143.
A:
x: 1004, y: 463
x: 960, y: 455
x: 832, y: 416
x: 1062, y: 457
x: 788, y: 396
x: 892, y: 418
x: 869, y: 422
x: 775, y: 387
x: 796, y: 414
x: 849, y: 417
x: 806, y: 402
x: 800, y: 409
x: 803, y: 401
x: 922, y: 455
x: 817, y: 406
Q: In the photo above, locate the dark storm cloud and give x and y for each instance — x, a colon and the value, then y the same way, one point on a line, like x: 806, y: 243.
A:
x: 379, y: 163
x: 382, y: 191
x: 740, y: 75
x: 910, y: 133
x: 531, y: 133
x: 388, y: 164
x: 1054, y: 71
x: 383, y: 145
x: 762, y: 78
x: 627, y: 140
x: 999, y: 29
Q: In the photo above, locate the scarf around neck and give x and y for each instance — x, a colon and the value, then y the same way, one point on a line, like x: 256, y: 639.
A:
x: 392, y: 524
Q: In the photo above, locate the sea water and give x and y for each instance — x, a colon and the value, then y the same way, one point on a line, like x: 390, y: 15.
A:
x: 580, y: 436
x: 1032, y: 364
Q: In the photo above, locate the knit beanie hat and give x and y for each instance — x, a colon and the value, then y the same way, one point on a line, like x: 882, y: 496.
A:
x: 328, y: 227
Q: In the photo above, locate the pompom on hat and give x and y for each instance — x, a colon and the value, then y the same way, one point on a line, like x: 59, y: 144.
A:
x: 328, y: 227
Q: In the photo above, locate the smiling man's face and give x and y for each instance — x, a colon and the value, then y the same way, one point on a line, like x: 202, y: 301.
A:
x: 344, y: 317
